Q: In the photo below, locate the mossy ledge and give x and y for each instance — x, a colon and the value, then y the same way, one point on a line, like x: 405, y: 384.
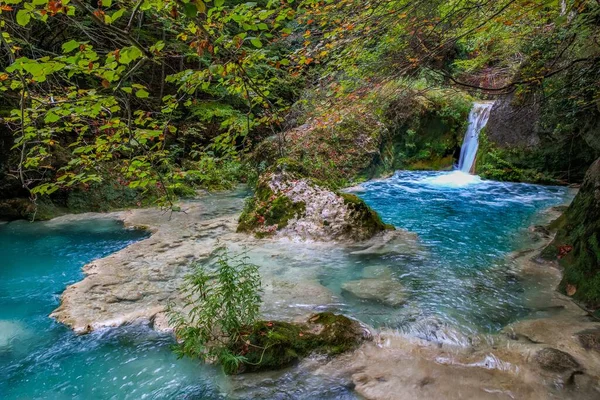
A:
x: 272, y: 345
x: 287, y: 203
x: 577, y: 242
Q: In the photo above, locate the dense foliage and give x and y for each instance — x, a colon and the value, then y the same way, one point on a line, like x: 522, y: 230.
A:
x: 164, y: 96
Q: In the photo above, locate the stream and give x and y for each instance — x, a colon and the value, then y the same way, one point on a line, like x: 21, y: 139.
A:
x: 457, y: 282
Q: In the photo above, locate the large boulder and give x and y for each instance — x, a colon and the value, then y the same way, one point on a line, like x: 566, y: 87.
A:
x: 285, y: 203
x: 577, y: 242
x: 272, y: 345
x: 513, y: 123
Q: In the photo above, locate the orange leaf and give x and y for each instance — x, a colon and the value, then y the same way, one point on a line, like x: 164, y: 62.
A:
x: 5, y: 7
x: 105, y: 83
x: 3, y: 77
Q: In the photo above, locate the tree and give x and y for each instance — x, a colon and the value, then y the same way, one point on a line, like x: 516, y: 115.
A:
x: 96, y: 99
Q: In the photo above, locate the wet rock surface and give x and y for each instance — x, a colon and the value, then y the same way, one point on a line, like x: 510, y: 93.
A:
x: 285, y: 204
x: 590, y: 339
x: 383, y: 290
x: 555, y: 360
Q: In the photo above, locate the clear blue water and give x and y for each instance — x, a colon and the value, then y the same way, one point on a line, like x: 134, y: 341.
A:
x: 460, y: 277
x: 42, y: 359
x: 467, y: 227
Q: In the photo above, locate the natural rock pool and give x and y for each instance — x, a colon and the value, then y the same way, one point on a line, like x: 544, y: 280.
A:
x: 451, y: 282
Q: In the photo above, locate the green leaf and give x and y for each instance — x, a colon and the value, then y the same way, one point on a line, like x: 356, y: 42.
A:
x: 51, y: 117
x: 129, y: 54
x: 190, y: 10
x: 219, y: 3
x: 142, y: 94
x: 106, y: 3
x: 23, y: 17
x: 256, y: 42
x: 70, y: 46
x: 117, y: 14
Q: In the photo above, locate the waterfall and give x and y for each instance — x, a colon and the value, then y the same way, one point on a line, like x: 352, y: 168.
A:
x: 478, y: 117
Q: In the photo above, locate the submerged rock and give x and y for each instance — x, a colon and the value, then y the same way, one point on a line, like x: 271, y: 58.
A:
x: 590, y: 339
x: 289, y: 205
x: 9, y: 332
x: 275, y: 344
x: 555, y: 360
x: 390, y: 242
x: 378, y: 286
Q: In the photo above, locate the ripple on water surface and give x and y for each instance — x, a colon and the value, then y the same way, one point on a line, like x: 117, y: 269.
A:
x: 467, y: 226
x: 458, y: 278
x: 41, y: 359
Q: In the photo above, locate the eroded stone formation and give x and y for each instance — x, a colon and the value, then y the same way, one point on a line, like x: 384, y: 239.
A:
x: 288, y: 204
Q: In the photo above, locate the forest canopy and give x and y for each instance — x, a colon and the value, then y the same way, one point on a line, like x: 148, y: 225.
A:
x: 162, y: 96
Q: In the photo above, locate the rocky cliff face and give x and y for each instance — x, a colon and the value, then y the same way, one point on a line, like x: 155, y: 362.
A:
x: 512, y: 124
x: 577, y: 242
x: 528, y: 139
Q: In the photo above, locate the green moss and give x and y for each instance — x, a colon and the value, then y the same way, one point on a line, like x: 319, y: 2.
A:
x: 338, y: 153
x: 434, y: 163
x: 369, y: 221
x: 577, y: 242
x: 266, y: 210
x: 509, y: 164
x: 271, y: 345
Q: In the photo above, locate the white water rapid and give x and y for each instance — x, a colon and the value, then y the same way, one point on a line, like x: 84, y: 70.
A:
x: 478, y: 118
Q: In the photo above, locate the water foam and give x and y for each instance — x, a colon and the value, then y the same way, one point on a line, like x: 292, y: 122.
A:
x: 454, y: 179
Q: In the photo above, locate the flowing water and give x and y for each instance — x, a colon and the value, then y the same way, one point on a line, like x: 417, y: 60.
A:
x: 40, y: 358
x: 467, y: 227
x: 457, y: 282
x: 478, y: 118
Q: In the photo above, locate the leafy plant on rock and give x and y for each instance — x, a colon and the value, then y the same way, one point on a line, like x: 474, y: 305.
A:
x: 220, y: 307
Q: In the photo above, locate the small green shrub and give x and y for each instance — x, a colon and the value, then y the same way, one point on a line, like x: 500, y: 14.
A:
x: 223, y: 305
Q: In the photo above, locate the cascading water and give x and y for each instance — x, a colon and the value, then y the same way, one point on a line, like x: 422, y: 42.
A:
x: 478, y: 118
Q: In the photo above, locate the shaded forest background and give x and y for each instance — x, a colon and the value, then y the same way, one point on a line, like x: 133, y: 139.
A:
x: 107, y: 104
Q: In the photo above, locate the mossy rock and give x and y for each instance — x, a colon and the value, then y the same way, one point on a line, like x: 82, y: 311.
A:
x: 368, y: 219
x: 272, y: 345
x: 307, y: 210
x: 268, y: 210
x: 577, y: 242
x: 20, y: 208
